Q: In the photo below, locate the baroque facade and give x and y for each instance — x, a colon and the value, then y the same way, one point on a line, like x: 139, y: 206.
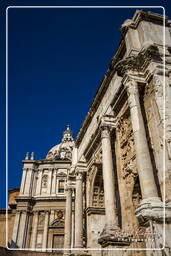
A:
x: 110, y: 189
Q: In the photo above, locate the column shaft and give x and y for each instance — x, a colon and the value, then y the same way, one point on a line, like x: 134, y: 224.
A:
x: 108, y: 178
x: 34, y: 235
x: 28, y: 183
x: 79, y: 212
x: 23, y: 181
x: 68, y: 219
x: 39, y: 183
x: 15, y: 230
x: 145, y: 169
x: 45, y: 232
x: 54, y: 183
x: 22, y: 229
x: 49, y: 182
x: 73, y: 230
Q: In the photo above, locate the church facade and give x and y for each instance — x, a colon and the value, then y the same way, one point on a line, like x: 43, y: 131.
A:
x: 39, y: 219
x: 108, y: 193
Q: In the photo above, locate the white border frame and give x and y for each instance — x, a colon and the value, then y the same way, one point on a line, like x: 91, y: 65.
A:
x: 164, y: 95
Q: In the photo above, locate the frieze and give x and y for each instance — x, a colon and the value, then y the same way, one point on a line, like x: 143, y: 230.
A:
x: 139, y: 62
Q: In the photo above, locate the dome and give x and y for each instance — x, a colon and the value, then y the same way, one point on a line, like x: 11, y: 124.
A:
x: 64, y: 149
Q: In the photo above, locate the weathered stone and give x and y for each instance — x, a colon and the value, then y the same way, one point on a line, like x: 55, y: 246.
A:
x: 117, y: 173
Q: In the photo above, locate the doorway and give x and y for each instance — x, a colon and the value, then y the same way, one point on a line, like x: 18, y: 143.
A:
x: 58, y: 242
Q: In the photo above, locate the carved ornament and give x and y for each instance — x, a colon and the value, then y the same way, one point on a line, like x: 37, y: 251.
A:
x: 138, y: 62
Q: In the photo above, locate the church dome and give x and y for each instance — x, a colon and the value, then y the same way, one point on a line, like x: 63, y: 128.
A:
x: 64, y: 149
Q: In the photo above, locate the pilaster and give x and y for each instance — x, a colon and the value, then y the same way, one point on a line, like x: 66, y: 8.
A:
x: 35, y: 225
x: 68, y: 219
x: 15, y: 230
x: 45, y: 231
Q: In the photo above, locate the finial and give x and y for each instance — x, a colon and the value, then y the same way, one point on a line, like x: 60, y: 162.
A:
x: 68, y: 127
x: 27, y: 156
x: 32, y: 156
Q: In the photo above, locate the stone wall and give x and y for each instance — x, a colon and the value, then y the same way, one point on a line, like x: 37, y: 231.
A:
x: 5, y: 252
x: 11, y: 217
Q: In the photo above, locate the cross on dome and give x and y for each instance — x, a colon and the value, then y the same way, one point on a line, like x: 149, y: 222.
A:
x: 67, y: 135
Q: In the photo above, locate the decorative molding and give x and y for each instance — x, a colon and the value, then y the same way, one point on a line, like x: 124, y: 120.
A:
x: 139, y: 62
x: 143, y: 15
x: 95, y: 210
x: 153, y: 209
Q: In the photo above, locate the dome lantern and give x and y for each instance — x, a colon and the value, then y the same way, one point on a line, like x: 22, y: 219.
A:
x: 62, y: 151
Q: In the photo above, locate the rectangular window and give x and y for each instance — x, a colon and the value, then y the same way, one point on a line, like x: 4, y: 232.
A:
x: 61, y: 187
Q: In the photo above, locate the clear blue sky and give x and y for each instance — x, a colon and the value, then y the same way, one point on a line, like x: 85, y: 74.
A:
x: 57, y: 59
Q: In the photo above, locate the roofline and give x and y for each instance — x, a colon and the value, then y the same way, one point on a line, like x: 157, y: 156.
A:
x: 14, y: 189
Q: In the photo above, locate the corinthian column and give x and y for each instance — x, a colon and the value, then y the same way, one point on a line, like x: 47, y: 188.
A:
x: 145, y: 169
x: 79, y: 211
x: 68, y: 219
x: 45, y: 232
x: 108, y: 178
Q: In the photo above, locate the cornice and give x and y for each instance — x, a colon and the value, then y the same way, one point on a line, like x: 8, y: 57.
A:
x: 46, y: 161
x: 143, y: 15
x: 95, y: 210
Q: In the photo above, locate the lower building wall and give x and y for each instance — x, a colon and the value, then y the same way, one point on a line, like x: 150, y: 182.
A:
x: 11, y: 218
x: 96, y: 224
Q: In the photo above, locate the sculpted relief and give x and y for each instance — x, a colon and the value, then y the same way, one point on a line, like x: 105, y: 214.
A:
x: 128, y: 175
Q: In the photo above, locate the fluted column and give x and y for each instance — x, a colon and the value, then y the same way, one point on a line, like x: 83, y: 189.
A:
x: 145, y: 169
x: 34, y: 235
x: 68, y: 219
x: 79, y: 211
x: 45, y: 232
x: 108, y: 177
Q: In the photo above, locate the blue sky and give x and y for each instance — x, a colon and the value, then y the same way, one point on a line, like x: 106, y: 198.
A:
x: 57, y: 59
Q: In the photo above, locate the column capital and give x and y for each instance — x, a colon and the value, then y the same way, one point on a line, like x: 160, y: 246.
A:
x: 47, y: 212
x: 131, y: 85
x: 79, y: 175
x: 36, y: 212
x: 68, y: 188
x: 108, y: 123
x: 105, y: 131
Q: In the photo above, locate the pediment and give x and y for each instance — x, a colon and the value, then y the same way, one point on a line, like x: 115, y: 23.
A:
x: 61, y: 174
x: 57, y: 223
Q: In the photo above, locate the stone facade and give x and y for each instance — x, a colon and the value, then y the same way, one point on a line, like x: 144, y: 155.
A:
x: 40, y: 214
x: 118, y: 171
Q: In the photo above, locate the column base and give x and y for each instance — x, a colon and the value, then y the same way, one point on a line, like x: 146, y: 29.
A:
x: 80, y: 253
x: 112, y: 251
x: 67, y: 252
x: 153, y: 209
